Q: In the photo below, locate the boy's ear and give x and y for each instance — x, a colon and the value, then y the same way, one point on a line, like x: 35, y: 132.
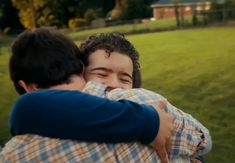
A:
x: 28, y: 87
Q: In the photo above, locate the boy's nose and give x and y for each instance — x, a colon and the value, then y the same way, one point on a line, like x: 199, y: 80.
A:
x: 113, y: 83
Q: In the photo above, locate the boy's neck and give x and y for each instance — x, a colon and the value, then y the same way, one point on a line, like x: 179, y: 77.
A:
x: 76, y: 83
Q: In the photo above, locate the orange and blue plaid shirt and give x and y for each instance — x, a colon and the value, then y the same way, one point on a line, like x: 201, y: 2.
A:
x: 190, y: 139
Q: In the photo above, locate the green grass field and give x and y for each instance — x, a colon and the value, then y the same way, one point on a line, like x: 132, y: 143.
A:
x: 151, y: 26
x: 194, y: 69
x: 7, y: 93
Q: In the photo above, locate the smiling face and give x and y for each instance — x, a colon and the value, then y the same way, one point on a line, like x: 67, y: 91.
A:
x: 114, y: 70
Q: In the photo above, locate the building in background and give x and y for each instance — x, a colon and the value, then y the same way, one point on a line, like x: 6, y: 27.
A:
x: 167, y: 8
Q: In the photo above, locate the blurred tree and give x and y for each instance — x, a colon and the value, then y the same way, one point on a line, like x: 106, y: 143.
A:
x: 105, y: 5
x: 34, y: 13
x: 9, y: 16
x: 64, y: 10
x: 116, y: 12
x: 134, y: 9
x: 232, y: 11
x: 222, y: 10
x: 77, y: 23
x: 88, y: 10
x: 149, y: 2
x: 26, y: 12
x: 177, y: 12
x: 92, y: 14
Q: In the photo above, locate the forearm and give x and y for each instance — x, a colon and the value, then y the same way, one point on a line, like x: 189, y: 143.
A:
x: 188, y: 129
x: 75, y: 115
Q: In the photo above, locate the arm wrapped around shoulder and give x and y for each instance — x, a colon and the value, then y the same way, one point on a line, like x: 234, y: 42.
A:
x: 190, y: 138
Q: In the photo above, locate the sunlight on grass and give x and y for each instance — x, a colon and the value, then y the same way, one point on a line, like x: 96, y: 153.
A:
x: 128, y: 28
x: 195, y: 70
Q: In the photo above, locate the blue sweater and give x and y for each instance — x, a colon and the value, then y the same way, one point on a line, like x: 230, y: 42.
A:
x: 79, y: 116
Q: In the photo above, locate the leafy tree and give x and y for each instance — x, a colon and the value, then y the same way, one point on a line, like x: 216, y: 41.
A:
x: 92, y: 14
x: 116, y: 12
x: 9, y: 16
x: 34, y: 13
x: 88, y: 10
x: 134, y: 9
x: 77, y: 23
x: 177, y: 12
x: 131, y: 9
x: 26, y: 12
x: 64, y: 10
x: 105, y: 5
x: 222, y: 10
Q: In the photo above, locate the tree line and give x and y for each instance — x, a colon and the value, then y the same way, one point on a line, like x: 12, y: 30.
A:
x: 30, y: 14
x: 16, y: 15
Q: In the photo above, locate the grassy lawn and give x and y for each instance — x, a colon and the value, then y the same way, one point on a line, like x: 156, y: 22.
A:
x: 169, y: 23
x: 194, y: 69
x: 7, y: 93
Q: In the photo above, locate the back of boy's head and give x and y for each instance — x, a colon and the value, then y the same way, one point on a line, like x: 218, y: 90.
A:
x: 112, y: 42
x: 44, y: 57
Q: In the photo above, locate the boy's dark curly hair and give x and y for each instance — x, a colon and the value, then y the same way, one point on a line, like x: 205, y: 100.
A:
x: 44, y: 57
x: 112, y: 42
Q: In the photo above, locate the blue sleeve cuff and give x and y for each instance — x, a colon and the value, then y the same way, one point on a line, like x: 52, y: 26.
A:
x: 151, y: 125
x: 200, y: 158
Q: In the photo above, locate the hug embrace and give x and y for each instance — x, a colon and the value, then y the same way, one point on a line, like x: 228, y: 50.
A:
x: 85, y: 104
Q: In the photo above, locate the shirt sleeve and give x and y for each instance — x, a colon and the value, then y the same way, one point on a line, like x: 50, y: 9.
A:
x: 79, y: 116
x: 191, y: 138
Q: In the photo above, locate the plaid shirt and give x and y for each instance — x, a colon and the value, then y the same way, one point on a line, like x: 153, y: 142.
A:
x: 190, y: 139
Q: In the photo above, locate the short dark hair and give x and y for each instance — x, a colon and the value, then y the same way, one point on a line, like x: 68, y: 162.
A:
x: 44, y: 57
x: 111, y: 42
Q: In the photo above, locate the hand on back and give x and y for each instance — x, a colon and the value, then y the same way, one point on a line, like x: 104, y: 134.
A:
x: 162, y: 141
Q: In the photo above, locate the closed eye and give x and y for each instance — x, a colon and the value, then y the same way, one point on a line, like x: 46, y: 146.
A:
x: 100, y: 72
x: 101, y: 75
x: 125, y: 81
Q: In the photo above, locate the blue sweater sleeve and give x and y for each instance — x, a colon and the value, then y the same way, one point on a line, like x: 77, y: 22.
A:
x: 79, y: 116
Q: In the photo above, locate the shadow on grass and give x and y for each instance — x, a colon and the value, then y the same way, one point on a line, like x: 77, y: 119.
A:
x: 5, y: 41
